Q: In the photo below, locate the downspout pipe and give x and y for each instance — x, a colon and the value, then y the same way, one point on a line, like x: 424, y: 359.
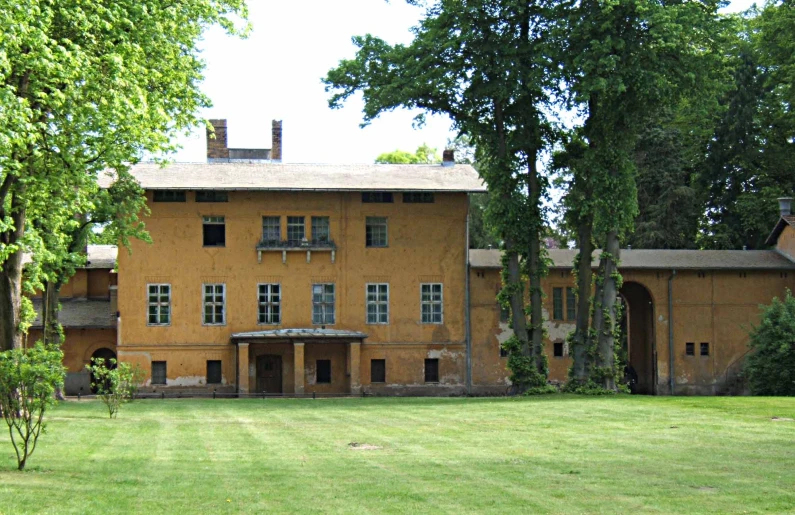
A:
x: 467, y: 308
x: 671, y: 331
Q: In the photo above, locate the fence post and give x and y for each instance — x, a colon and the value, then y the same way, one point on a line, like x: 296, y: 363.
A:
x: 213, y: 393
x: 162, y: 395
x: 313, y: 395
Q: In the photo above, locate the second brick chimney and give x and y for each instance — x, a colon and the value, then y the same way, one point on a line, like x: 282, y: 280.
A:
x: 276, y: 141
x: 216, y: 147
x: 448, y: 157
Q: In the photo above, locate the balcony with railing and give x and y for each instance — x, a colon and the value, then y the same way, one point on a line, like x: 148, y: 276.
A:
x: 302, y: 245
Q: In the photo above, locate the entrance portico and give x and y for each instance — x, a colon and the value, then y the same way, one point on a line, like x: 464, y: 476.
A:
x: 298, y: 361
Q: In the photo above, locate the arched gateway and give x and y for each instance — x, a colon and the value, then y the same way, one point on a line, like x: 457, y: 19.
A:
x: 638, y: 326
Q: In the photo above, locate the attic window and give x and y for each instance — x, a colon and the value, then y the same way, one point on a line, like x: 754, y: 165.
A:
x: 168, y: 196
x: 418, y: 197
x: 212, y: 196
x: 377, y: 197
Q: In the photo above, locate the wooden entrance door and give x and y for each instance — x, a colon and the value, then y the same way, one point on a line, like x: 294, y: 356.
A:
x: 269, y: 374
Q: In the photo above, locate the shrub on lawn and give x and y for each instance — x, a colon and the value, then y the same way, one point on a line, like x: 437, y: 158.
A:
x: 115, y: 384
x: 28, y: 381
x: 770, y: 367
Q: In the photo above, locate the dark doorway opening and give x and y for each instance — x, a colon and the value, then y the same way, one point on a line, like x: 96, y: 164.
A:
x: 106, y: 355
x: 269, y: 374
x: 638, y: 339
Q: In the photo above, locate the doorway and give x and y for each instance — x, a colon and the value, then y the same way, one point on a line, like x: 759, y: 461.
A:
x: 638, y: 329
x: 106, y: 355
x: 269, y: 374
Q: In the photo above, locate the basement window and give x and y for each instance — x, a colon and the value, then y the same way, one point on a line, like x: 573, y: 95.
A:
x: 214, y: 231
x: 557, y: 349
x: 323, y: 371
x: 704, y: 349
x: 158, y: 372
x: 213, y: 371
x: 377, y: 197
x: 378, y: 371
x: 168, y: 196
x: 432, y: 370
x: 418, y: 197
x: 212, y: 196
x: 690, y: 349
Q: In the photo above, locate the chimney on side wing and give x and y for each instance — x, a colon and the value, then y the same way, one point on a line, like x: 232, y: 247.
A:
x: 785, y: 206
x: 276, y: 141
x: 448, y: 157
x: 216, y: 146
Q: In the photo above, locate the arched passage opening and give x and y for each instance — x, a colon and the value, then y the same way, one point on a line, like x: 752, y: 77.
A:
x: 638, y: 327
x: 106, y: 355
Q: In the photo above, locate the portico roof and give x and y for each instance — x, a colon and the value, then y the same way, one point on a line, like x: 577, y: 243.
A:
x: 300, y: 333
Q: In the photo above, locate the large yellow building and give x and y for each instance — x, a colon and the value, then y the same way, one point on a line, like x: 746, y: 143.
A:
x: 277, y: 278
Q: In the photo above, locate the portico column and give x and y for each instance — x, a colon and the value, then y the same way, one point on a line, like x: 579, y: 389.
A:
x: 242, y: 368
x: 354, y: 355
x: 298, y: 367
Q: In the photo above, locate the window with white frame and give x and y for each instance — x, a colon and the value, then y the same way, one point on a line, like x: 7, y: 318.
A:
x: 320, y: 230
x: 376, y: 234
x: 159, y: 300
x: 214, y: 304
x: 296, y: 231
x: 323, y: 303
x: 431, y: 303
x: 378, y: 303
x: 270, y: 308
x: 271, y: 230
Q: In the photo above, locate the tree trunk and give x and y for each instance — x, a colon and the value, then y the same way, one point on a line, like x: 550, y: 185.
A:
x: 11, y: 280
x: 52, y: 332
x: 584, y: 278
x: 606, y: 337
x: 534, y: 270
x: 518, y: 318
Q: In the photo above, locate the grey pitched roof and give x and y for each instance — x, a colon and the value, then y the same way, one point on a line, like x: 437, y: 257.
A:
x: 659, y: 259
x: 300, y: 333
x: 779, y: 228
x: 80, y: 314
x: 305, y: 177
x: 102, y: 256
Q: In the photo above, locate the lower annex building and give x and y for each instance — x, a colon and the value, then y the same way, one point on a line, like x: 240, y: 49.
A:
x: 277, y: 278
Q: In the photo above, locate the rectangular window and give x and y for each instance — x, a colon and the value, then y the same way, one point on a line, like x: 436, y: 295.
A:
x: 296, y: 231
x: 321, y: 232
x: 418, y: 197
x: 505, y: 313
x: 212, y: 196
x: 271, y: 230
x: 378, y: 303
x: 159, y: 372
x: 323, y: 303
x: 214, y: 304
x: 270, y: 309
x: 323, y: 371
x: 432, y: 370
x: 168, y: 196
x: 377, y: 197
x: 431, y: 303
x: 571, y: 304
x: 378, y: 371
x: 557, y: 303
x: 159, y: 304
x: 704, y: 349
x: 214, y: 231
x: 376, y: 232
x: 690, y: 349
x: 557, y: 349
x: 213, y: 371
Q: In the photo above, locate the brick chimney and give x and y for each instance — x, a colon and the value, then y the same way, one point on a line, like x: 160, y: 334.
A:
x: 216, y: 147
x: 276, y: 141
x: 448, y: 157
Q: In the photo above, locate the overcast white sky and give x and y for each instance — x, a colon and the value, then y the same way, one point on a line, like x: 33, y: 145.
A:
x: 276, y: 74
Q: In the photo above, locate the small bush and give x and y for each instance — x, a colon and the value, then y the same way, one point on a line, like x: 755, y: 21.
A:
x: 770, y: 367
x: 28, y: 381
x: 115, y: 384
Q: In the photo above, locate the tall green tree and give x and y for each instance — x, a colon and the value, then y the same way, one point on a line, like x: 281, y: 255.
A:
x: 624, y: 60
x: 86, y: 86
x: 486, y: 64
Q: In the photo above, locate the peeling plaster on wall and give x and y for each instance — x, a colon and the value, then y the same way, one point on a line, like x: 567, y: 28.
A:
x: 505, y: 332
x: 186, y: 381
x: 444, y: 353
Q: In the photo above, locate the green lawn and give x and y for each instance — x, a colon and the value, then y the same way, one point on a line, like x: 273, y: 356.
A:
x: 554, y: 454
